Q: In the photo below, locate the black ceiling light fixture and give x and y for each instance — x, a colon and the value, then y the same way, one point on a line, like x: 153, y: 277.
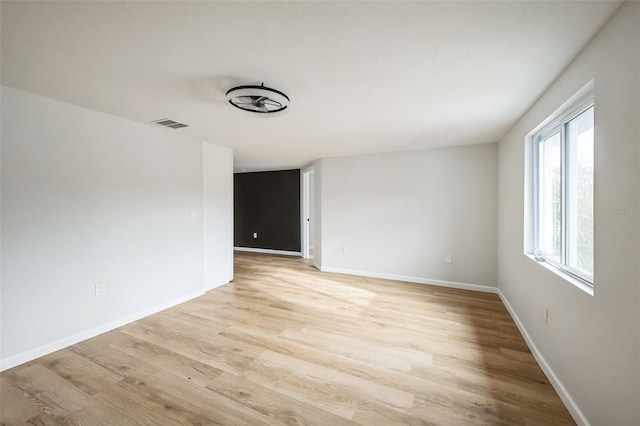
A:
x: 258, y: 101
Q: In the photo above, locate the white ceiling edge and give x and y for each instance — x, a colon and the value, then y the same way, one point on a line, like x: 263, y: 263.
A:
x: 363, y: 77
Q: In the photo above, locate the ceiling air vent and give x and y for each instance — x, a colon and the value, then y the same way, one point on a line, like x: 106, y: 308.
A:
x: 170, y: 123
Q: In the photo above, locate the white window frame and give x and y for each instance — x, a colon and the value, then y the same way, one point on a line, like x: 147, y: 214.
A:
x: 557, y: 124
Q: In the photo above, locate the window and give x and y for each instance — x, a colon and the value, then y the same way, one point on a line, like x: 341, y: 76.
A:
x: 563, y: 192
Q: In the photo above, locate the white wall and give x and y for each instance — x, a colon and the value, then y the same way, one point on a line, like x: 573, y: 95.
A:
x: 90, y: 198
x: 399, y: 214
x: 218, y: 215
x: 591, y: 343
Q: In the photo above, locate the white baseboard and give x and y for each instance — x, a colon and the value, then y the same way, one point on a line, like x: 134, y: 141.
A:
x: 214, y: 286
x: 32, y: 354
x: 417, y: 280
x: 269, y: 251
x: 568, y: 401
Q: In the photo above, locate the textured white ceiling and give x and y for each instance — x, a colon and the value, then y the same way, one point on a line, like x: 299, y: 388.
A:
x: 363, y: 77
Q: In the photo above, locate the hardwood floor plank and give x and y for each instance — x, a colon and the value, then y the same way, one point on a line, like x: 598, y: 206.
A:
x: 276, y: 405
x: 52, y: 393
x: 335, y: 380
x: 101, y: 352
x: 288, y: 344
x: 99, y: 414
x: 471, y: 411
x: 79, y: 371
x: 214, y: 407
x: 167, y: 360
x: 230, y: 360
x: 393, y: 357
x: 147, y: 405
x: 44, y: 420
x: 14, y: 406
x: 368, y: 370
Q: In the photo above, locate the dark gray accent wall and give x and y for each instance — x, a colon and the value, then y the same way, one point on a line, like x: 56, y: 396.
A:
x: 267, y: 203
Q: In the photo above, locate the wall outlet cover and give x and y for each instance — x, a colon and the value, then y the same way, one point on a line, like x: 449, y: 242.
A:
x: 101, y: 289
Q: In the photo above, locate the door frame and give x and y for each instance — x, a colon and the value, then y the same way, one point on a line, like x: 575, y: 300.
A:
x: 306, y: 227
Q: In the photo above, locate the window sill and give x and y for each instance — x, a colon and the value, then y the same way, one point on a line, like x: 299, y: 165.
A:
x: 565, y: 276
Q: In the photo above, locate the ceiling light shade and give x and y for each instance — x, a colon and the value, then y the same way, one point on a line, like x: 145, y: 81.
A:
x: 258, y: 101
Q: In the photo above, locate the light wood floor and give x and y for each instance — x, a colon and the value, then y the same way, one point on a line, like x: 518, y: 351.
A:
x: 286, y: 344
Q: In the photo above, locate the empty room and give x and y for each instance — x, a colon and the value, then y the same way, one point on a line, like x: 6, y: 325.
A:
x: 320, y: 213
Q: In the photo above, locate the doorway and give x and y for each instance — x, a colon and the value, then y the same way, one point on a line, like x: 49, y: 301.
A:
x: 308, y: 220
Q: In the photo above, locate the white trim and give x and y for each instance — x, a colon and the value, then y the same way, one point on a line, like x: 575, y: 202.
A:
x: 32, y: 354
x: 565, y: 275
x: 580, y: 97
x: 305, y: 212
x: 269, y: 251
x: 576, y: 413
x: 214, y: 286
x: 417, y: 280
x: 557, y: 123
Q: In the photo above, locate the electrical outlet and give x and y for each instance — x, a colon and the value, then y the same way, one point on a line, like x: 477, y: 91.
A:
x: 101, y: 290
x: 545, y: 314
x: 448, y: 258
x: 255, y: 235
x: 345, y: 249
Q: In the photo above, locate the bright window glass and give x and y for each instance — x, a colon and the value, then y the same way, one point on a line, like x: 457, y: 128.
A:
x: 579, y: 204
x: 550, y: 201
x: 563, y: 188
